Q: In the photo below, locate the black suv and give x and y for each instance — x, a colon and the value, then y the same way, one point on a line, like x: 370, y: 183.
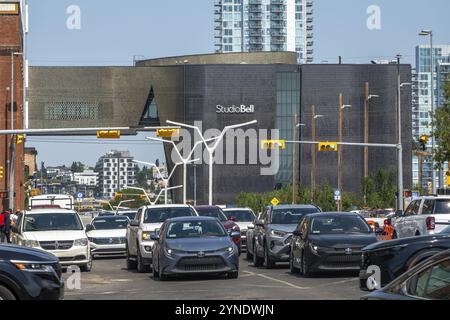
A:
x: 29, y: 274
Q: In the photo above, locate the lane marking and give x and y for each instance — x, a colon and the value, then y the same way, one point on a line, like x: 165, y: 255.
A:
x: 278, y: 280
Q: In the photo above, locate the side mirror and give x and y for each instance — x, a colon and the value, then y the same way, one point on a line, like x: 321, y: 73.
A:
x: 259, y: 223
x: 89, y: 228
x: 399, y: 213
x: 235, y: 234
x: 134, y: 223
x: 251, y: 227
x: 232, y: 218
x: 154, y: 236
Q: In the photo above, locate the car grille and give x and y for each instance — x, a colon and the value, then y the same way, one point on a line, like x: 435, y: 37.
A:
x: 56, y: 245
x: 68, y: 259
x: 201, y: 264
x: 344, y: 260
x: 108, y: 240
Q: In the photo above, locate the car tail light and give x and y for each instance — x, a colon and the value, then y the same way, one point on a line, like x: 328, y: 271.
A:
x: 431, y: 223
x: 237, y: 240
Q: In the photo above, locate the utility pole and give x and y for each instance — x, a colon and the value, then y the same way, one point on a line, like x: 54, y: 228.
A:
x: 294, y: 161
x: 366, y: 139
x: 313, y: 155
x: 339, y: 202
x: 400, y: 148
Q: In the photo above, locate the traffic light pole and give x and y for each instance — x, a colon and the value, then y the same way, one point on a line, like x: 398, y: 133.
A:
x: 340, y: 177
x: 313, y: 155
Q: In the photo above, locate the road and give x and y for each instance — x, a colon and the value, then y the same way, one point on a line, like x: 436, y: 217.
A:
x: 110, y: 280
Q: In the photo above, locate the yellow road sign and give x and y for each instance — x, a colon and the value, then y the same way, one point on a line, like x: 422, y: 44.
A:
x: 275, y: 201
x: 167, y: 133
x: 113, y: 134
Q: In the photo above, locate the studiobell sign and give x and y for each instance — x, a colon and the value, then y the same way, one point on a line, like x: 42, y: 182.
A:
x: 241, y: 109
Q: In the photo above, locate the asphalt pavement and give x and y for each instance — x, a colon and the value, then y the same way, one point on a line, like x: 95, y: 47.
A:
x: 110, y: 280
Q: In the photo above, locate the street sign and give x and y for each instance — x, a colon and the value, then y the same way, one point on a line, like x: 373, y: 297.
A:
x: 275, y: 201
x: 337, y: 195
x: 80, y: 195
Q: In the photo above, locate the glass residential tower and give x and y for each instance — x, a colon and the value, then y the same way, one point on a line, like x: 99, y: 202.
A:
x: 265, y: 25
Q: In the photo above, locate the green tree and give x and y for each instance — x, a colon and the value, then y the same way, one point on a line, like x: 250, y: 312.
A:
x: 381, y: 188
x: 441, y: 123
x: 77, y: 167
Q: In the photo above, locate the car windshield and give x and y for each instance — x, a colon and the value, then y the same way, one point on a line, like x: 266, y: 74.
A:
x: 214, y: 212
x: 130, y: 214
x: 339, y: 225
x: 442, y: 206
x: 105, y: 214
x: 290, y: 215
x: 195, y: 229
x: 240, y: 215
x: 52, y: 222
x: 157, y: 215
x: 110, y: 223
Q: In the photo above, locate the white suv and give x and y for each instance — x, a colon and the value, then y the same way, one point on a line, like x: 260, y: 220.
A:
x: 139, y: 246
x: 424, y: 216
x: 58, y: 231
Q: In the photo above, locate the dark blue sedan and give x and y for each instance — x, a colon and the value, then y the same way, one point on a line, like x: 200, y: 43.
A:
x: 194, y: 245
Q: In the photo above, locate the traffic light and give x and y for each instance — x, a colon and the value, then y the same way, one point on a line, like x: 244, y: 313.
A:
x: 328, y: 147
x: 273, y: 144
x: 167, y: 133
x: 112, y: 134
x: 119, y: 195
x: 423, y: 141
x: 1, y: 172
x: 19, y: 138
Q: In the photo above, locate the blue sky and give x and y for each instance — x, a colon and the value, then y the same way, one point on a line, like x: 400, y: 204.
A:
x: 112, y: 32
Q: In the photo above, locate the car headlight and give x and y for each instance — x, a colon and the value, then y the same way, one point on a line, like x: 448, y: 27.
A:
x: 168, y: 252
x: 230, y: 250
x: 81, y: 242
x: 146, y: 236
x: 32, y: 266
x: 31, y: 243
x: 276, y: 233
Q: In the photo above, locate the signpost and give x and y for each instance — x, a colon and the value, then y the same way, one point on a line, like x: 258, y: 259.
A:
x: 275, y: 202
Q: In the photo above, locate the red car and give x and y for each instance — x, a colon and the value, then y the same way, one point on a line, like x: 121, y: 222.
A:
x: 217, y: 212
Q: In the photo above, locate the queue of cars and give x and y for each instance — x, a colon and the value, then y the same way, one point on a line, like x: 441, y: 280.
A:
x: 177, y: 240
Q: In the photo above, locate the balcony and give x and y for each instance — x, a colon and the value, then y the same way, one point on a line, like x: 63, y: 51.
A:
x: 255, y: 25
x: 278, y: 25
x: 277, y: 16
x: 254, y: 16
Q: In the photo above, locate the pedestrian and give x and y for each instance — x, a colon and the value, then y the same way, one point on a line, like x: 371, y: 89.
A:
x: 2, y: 227
x: 8, y: 225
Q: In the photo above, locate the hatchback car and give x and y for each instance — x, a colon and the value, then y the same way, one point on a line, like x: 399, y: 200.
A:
x: 194, y: 245
x: 330, y: 241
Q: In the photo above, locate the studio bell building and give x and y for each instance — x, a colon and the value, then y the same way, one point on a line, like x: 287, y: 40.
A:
x: 217, y: 90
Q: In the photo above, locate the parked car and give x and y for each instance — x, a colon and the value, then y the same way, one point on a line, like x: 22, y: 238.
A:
x: 194, y: 245
x: 230, y: 226
x: 423, y: 216
x: 59, y: 231
x: 107, y: 235
x: 138, y: 236
x: 105, y: 214
x: 29, y: 274
x: 273, y: 232
x: 244, y: 217
x: 395, y: 257
x: 249, y: 238
x: 330, y: 241
x: 429, y: 280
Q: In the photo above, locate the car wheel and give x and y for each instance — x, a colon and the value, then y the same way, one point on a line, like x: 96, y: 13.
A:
x: 5, y: 294
x: 131, y: 265
x: 233, y: 275
x: 155, y: 273
x: 268, y: 262
x: 417, y: 234
x: 88, y: 266
x: 161, y: 276
x: 249, y: 255
x: 257, y: 261
x: 305, y: 269
x: 293, y: 268
x: 141, y: 267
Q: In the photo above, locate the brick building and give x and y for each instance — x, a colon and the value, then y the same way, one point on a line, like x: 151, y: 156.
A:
x: 11, y: 42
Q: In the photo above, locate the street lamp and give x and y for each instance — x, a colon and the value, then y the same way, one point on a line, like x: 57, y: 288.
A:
x: 213, y: 148
x: 152, y: 203
x: 185, y: 161
x: 346, y: 106
x: 429, y: 33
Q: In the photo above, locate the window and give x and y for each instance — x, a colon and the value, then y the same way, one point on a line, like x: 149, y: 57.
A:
x: 433, y: 283
x: 413, y: 208
x: 427, y: 208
